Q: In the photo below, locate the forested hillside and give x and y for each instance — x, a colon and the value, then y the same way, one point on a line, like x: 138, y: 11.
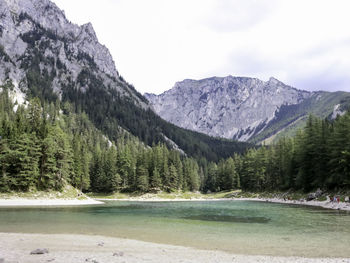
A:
x: 108, y: 110
x: 45, y: 146
x: 291, y: 118
x: 44, y: 149
x: 318, y: 156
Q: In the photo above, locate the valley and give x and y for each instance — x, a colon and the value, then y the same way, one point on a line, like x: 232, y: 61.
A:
x: 91, y: 170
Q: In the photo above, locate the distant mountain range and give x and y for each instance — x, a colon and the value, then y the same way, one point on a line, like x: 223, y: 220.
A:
x: 242, y: 108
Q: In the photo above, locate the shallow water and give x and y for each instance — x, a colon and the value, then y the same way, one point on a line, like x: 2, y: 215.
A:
x: 244, y: 227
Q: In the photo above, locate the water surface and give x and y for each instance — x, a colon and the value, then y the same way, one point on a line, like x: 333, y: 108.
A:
x: 237, y: 226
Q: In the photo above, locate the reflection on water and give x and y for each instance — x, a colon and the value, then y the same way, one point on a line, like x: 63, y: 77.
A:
x: 237, y: 226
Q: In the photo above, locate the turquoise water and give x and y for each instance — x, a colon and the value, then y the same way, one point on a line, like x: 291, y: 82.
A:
x: 237, y: 226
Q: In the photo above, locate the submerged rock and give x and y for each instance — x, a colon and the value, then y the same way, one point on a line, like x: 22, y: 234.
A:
x: 39, y: 251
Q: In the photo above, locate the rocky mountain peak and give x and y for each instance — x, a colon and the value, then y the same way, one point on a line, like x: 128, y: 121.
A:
x: 46, y: 14
x: 89, y: 30
x: 229, y: 107
x: 275, y: 81
x: 40, y: 47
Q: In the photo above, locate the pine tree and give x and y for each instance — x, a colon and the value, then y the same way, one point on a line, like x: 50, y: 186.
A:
x: 48, y: 163
x: 23, y: 166
x: 173, y: 178
x: 156, y: 180
x: 4, y: 163
x: 64, y: 159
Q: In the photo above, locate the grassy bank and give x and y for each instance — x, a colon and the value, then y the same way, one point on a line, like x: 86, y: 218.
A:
x: 165, y: 195
x: 217, y: 195
x: 68, y: 192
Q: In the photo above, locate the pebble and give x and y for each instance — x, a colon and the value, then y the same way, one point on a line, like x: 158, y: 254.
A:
x: 118, y: 254
x: 92, y: 260
x: 39, y: 251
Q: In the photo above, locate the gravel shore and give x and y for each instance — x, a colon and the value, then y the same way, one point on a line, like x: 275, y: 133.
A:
x: 100, y: 249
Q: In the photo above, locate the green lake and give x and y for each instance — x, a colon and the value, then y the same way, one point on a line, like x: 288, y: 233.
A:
x: 243, y: 227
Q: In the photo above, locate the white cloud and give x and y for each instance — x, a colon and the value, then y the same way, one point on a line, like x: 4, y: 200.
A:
x: 158, y: 42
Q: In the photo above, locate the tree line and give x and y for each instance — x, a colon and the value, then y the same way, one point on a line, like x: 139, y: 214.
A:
x: 44, y: 148
x: 45, y: 145
x: 317, y: 157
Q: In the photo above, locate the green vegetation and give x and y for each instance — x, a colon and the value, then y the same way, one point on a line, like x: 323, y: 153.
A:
x: 108, y: 110
x: 42, y: 149
x: 227, y: 194
x: 68, y: 192
x: 166, y: 195
x: 317, y: 157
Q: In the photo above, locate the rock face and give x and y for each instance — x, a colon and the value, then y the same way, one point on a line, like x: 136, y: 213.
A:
x: 50, y: 17
x: 229, y: 107
x: 36, y: 34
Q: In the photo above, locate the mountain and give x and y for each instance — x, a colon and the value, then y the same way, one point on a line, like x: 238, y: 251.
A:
x: 242, y: 108
x: 44, y: 52
x: 44, y: 55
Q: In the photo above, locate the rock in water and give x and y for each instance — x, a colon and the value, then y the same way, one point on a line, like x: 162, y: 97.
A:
x: 39, y: 251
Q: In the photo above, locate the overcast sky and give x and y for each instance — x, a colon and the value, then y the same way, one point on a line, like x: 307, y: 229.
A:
x: 154, y: 43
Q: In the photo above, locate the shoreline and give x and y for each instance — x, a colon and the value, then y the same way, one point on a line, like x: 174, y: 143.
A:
x: 324, y: 204
x: 14, y: 202
x: 69, y: 248
x: 17, y: 202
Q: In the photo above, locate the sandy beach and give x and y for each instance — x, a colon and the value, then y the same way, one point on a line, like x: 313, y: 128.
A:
x: 84, y: 248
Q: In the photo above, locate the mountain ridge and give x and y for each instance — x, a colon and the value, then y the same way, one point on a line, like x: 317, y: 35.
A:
x: 228, y: 107
x: 240, y: 108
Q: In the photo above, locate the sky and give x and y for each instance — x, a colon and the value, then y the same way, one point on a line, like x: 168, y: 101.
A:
x: 155, y: 43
